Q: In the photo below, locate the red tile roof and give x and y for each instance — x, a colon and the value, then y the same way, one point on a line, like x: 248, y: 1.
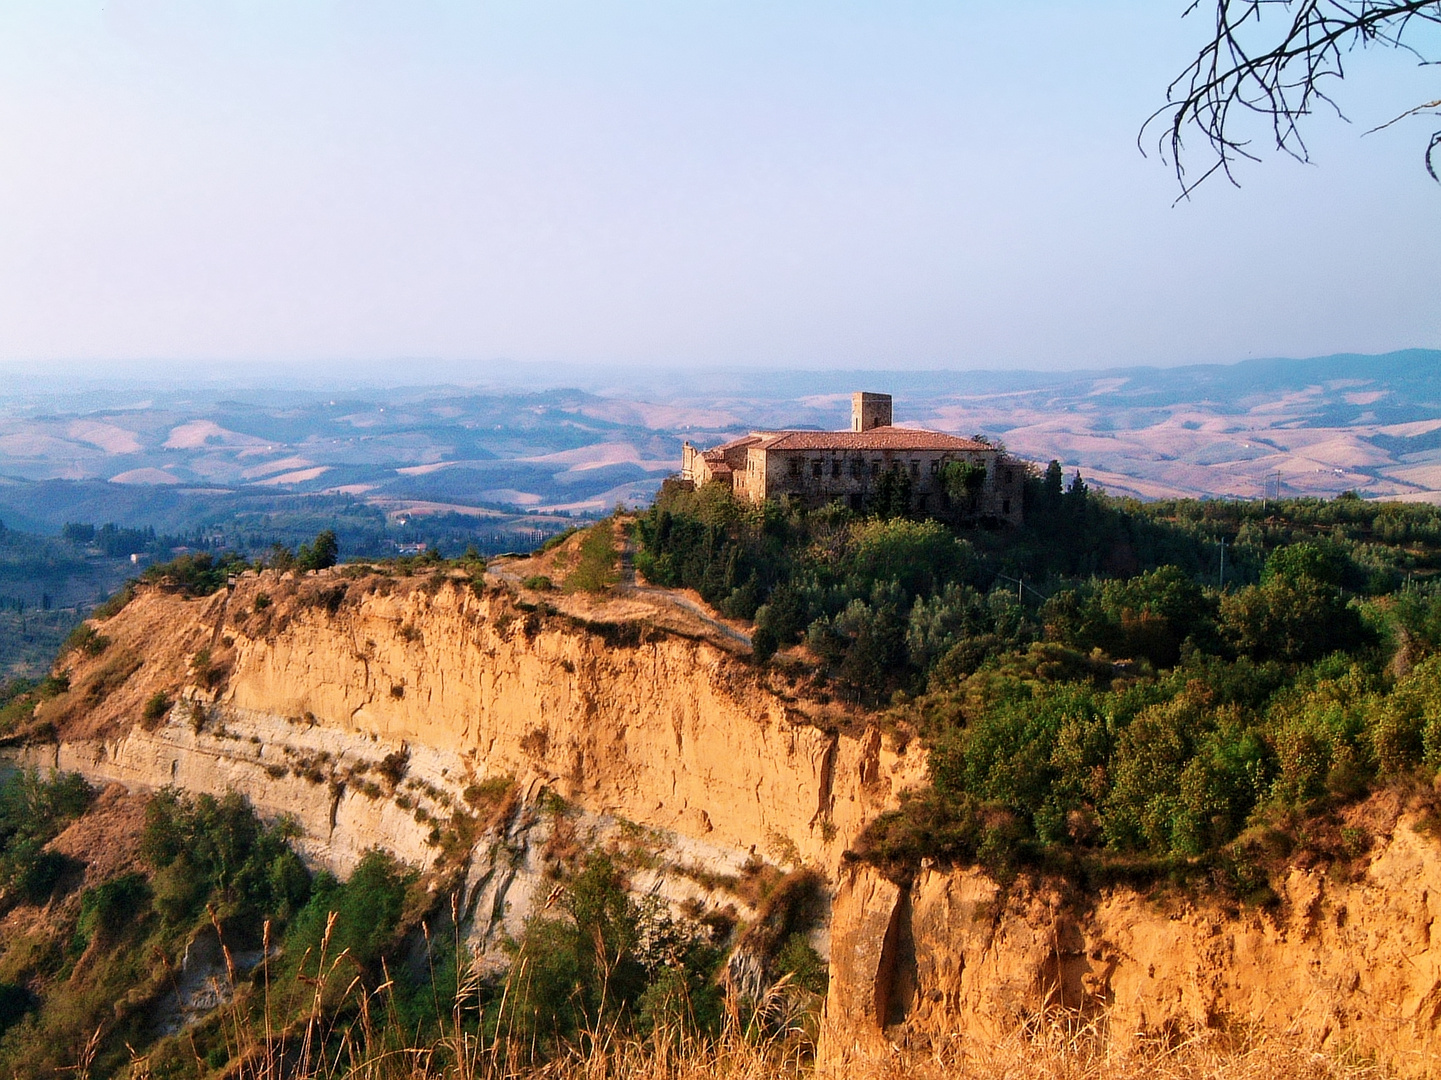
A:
x: 879, y: 438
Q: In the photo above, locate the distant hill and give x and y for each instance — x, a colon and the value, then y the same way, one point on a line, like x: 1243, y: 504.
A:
x: 180, y: 459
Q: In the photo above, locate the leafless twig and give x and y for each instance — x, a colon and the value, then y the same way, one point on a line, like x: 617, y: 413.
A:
x: 1277, y: 59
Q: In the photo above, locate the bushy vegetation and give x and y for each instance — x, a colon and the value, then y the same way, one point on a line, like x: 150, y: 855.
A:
x: 91, y: 969
x: 19, y: 697
x: 214, y: 852
x: 33, y: 811
x: 1091, y: 686
x: 197, y: 574
x: 1094, y: 696
x: 321, y: 969
x: 595, y: 568
x: 603, y: 960
x: 206, y: 865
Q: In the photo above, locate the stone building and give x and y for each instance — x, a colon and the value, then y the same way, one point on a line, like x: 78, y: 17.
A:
x: 818, y: 467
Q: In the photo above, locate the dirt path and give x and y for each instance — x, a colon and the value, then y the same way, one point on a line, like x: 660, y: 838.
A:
x: 670, y: 597
x: 653, y: 595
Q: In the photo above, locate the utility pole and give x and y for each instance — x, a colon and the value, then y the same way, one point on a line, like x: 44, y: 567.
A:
x: 1266, y: 496
x: 1021, y: 586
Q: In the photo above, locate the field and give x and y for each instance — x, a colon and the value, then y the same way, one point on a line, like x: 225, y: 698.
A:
x: 544, y: 441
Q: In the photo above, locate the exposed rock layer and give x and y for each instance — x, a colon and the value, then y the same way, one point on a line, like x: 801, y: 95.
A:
x: 298, y: 703
x: 1342, y: 962
x: 296, y: 691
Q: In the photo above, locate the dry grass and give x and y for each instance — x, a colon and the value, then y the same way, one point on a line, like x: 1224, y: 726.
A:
x: 1060, y: 1054
x: 738, y: 1058
x: 770, y: 1042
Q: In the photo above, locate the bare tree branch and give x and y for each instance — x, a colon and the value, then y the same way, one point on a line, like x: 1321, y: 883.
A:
x: 1276, y: 60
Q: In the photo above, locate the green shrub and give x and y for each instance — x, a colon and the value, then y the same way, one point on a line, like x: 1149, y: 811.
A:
x: 763, y: 644
x: 156, y: 706
x: 85, y: 638
x: 394, y: 765
x: 803, y: 964
x: 204, y: 848
x: 367, y: 908
x: 595, y: 570
x: 321, y: 554
x: 34, y: 810
x: 110, y: 908
x: 583, y: 961
x: 36, y: 872
x: 179, y: 891
x: 198, y: 574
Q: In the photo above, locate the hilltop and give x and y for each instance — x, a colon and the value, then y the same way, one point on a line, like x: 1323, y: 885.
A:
x: 946, y: 780
x: 576, y: 441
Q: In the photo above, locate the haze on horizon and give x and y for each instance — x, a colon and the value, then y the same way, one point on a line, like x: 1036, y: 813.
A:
x: 909, y: 185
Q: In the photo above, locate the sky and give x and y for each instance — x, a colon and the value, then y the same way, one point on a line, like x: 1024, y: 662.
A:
x: 457, y: 189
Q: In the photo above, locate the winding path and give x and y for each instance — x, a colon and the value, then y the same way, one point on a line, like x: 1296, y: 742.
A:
x: 652, y: 593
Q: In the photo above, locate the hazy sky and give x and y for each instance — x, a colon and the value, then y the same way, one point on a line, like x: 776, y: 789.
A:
x: 806, y: 183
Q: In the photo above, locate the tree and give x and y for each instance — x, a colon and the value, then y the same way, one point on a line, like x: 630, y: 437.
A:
x: 963, y: 481
x: 892, y: 495
x: 321, y: 554
x: 1296, y: 613
x: 1280, y: 70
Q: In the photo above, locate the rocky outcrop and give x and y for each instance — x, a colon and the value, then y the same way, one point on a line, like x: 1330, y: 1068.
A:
x: 378, y: 711
x: 1344, y: 961
x: 369, y: 709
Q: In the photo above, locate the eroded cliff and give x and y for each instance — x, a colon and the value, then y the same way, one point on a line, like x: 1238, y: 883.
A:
x: 370, y: 708
x: 379, y: 710
x: 1345, y: 959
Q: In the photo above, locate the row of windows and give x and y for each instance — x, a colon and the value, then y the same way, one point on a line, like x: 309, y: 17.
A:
x: 857, y: 468
x: 923, y: 503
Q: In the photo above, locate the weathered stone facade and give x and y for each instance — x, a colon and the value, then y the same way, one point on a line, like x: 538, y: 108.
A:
x: 818, y: 467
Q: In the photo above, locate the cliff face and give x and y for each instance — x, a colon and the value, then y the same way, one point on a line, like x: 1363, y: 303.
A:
x: 674, y: 733
x: 378, y: 710
x: 372, y: 709
x: 1348, y: 961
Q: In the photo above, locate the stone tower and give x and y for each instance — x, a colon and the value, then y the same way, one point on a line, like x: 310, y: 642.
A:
x: 870, y: 411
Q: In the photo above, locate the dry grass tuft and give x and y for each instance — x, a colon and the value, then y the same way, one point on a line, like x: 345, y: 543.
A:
x: 770, y: 1040
x: 1061, y: 1054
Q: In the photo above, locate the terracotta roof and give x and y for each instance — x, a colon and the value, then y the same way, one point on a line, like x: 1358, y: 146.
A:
x: 879, y: 438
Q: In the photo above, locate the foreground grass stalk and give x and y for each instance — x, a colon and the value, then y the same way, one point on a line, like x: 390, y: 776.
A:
x: 339, y: 1034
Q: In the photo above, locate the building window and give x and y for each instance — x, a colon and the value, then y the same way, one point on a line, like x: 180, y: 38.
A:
x: 855, y: 502
x: 922, y: 501
x: 1005, y: 506
x: 835, y: 468
x: 935, y: 467
x: 816, y: 469
x: 858, y: 469
x: 915, y: 470
x: 875, y: 468
x: 795, y: 466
